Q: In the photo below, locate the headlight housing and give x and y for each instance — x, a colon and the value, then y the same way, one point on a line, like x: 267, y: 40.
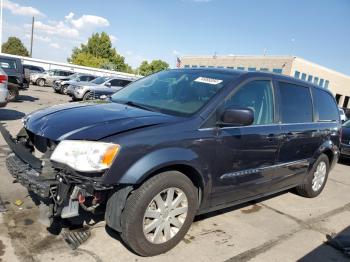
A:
x: 85, y: 156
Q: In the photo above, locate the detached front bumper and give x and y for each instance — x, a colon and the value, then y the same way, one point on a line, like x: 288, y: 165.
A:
x: 26, y: 168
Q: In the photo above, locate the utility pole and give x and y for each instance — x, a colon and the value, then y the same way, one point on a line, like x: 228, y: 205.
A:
x: 31, y: 38
x: 1, y: 26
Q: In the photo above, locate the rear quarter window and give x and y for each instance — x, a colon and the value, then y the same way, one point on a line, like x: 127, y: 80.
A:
x: 295, y: 103
x: 325, y: 106
x: 8, y: 63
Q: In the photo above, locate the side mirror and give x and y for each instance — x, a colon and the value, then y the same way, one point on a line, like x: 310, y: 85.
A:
x: 108, y: 84
x: 237, y: 116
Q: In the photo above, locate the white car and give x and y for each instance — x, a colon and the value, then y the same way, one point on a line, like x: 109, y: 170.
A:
x: 4, y: 93
x: 343, y: 117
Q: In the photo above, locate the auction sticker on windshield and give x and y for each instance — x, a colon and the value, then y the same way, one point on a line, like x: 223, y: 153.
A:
x: 208, y: 80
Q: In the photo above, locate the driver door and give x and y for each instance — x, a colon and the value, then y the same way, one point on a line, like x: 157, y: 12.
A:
x: 246, y: 155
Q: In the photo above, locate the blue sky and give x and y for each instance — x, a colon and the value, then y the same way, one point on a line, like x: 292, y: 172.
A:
x: 317, y: 30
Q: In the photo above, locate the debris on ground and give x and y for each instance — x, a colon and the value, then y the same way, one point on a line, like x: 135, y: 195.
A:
x: 74, y: 238
x: 2, y: 207
x: 18, y: 202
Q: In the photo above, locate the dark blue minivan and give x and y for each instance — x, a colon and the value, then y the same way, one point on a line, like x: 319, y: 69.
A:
x: 177, y: 144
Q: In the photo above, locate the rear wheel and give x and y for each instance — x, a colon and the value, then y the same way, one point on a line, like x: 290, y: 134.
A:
x: 40, y: 82
x: 316, y: 179
x: 157, y: 215
x: 13, y: 94
x: 87, y: 96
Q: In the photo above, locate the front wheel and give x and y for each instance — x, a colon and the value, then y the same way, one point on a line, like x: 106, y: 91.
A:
x: 157, y: 215
x: 40, y: 82
x: 316, y: 178
x: 64, y: 89
x: 13, y: 94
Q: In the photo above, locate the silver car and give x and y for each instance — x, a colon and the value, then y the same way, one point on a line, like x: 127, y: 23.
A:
x: 61, y: 86
x: 4, y: 93
x: 48, y: 77
x: 87, y: 90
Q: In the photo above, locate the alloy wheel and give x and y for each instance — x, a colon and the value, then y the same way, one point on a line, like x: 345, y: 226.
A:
x: 165, y: 215
x: 319, y: 176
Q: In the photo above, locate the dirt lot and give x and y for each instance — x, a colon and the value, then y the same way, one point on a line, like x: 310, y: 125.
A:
x: 281, y: 228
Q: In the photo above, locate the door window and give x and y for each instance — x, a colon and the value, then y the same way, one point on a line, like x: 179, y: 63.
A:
x: 296, y: 104
x: 325, y: 105
x: 258, y: 96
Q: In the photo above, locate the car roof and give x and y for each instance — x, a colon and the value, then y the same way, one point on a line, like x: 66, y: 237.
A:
x: 276, y: 76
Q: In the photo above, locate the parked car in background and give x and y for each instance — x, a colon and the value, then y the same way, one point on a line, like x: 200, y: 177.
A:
x: 48, y: 77
x: 176, y: 144
x: 4, y: 93
x: 61, y: 85
x: 86, y: 90
x: 14, y: 69
x: 345, y: 140
x: 33, y: 69
x: 343, y: 117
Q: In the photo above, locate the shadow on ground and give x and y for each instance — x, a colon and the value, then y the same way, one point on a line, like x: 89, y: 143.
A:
x: 25, y: 98
x: 339, y: 242
x: 10, y: 114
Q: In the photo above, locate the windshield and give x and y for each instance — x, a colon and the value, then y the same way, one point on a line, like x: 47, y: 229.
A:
x: 100, y: 80
x: 346, y: 124
x: 178, y: 92
x: 73, y: 76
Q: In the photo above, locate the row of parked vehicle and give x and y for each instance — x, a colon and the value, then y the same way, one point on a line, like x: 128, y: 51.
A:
x: 80, y: 86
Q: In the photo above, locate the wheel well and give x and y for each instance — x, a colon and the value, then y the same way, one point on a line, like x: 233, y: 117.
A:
x: 330, y: 155
x: 188, y: 171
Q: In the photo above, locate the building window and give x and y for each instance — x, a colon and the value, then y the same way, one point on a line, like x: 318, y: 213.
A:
x: 316, y: 80
x: 211, y: 66
x: 230, y: 67
x: 202, y: 66
x: 309, y: 78
x: 346, y: 102
x: 277, y: 70
x: 240, y: 68
x: 303, y: 76
x: 337, y: 98
x: 194, y: 66
x: 264, y: 69
x: 297, y: 74
x: 326, y: 84
x: 186, y: 66
x: 321, y: 82
x: 220, y: 67
x: 251, y: 68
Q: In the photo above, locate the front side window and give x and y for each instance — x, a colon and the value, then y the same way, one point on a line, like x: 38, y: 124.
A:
x: 258, y: 96
x: 295, y: 104
x: 178, y: 92
x: 325, y: 105
x: 297, y: 74
x: 100, y: 80
x: 303, y: 76
x: 277, y: 70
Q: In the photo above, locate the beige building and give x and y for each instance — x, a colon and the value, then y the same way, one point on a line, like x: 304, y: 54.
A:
x: 337, y: 83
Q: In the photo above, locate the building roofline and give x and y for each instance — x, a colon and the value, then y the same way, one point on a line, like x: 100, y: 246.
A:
x: 269, y: 57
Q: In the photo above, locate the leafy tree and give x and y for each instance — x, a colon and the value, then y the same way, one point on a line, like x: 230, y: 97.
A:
x: 14, y: 46
x: 98, y: 52
x: 153, y: 67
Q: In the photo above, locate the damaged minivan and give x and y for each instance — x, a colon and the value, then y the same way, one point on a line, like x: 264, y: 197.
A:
x: 174, y: 145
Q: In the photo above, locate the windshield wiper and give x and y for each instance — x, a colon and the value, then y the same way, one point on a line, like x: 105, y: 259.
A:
x: 133, y: 104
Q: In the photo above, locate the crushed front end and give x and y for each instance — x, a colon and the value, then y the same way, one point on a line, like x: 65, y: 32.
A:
x: 64, y: 190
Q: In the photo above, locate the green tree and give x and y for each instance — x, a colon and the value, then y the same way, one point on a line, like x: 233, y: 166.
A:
x: 98, y: 52
x: 14, y: 46
x: 153, y: 67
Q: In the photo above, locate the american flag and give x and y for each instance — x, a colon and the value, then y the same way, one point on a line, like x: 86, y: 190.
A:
x: 178, y: 62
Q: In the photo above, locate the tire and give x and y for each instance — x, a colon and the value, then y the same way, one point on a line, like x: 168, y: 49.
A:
x: 40, y: 82
x: 308, y: 188
x: 13, y: 94
x: 64, y: 89
x: 87, y: 96
x: 133, y: 215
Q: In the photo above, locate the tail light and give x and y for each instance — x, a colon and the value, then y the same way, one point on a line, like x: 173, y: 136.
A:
x: 3, y: 79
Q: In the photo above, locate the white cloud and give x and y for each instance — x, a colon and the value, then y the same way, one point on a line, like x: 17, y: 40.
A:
x: 17, y: 9
x: 86, y: 21
x: 113, y: 38
x: 176, y: 53
x: 59, y: 29
x: 55, y: 45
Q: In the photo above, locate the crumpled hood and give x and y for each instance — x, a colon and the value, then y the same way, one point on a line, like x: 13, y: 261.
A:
x: 90, y: 121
